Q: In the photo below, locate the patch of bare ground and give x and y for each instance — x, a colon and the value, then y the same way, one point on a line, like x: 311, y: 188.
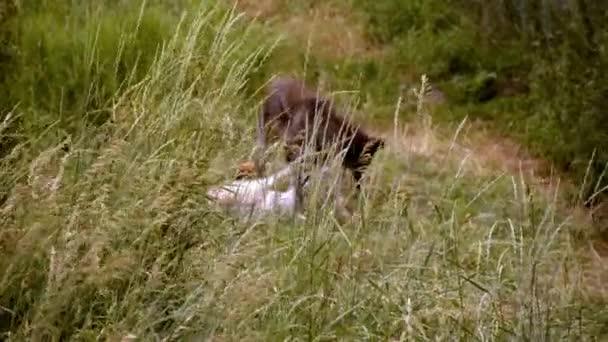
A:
x: 492, y: 151
x: 484, y: 153
x: 329, y: 28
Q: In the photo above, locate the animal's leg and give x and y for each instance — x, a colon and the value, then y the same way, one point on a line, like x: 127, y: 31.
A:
x: 297, y: 182
x: 299, y: 193
x: 357, y: 175
x: 295, y: 155
x: 337, y: 190
x: 339, y: 202
x: 260, y: 148
x: 341, y: 208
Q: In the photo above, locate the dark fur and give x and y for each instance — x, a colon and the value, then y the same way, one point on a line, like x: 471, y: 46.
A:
x: 290, y: 112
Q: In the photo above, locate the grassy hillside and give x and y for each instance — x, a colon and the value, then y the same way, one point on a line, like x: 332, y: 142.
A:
x: 529, y: 70
x: 118, y: 116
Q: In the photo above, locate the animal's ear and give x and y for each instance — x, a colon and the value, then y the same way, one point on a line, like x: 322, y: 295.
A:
x: 374, y: 145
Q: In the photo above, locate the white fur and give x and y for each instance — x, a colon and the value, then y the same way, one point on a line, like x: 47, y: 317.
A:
x: 253, y: 198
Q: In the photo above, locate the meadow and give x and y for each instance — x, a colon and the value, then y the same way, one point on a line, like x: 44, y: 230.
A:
x: 117, y: 116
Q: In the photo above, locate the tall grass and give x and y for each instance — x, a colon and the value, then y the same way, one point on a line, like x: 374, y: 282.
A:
x: 98, y: 204
x: 112, y: 238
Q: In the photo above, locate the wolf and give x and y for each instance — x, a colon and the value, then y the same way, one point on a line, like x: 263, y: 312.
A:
x: 300, y: 117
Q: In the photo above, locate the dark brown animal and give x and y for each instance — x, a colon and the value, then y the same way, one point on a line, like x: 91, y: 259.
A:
x: 297, y: 115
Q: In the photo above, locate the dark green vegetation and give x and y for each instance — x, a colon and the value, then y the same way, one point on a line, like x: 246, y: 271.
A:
x: 534, y: 69
x: 117, y: 115
x: 73, y: 58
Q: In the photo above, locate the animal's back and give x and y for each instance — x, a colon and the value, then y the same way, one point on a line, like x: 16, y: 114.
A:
x: 297, y: 114
x: 284, y: 94
x: 290, y: 90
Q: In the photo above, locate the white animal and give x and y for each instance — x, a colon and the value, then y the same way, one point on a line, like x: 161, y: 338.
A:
x: 254, y: 198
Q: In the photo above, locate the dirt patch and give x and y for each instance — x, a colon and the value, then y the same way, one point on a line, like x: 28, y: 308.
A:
x: 594, y: 277
x: 493, y: 152
x: 261, y: 9
x: 331, y: 30
x: 487, y: 153
x: 502, y: 153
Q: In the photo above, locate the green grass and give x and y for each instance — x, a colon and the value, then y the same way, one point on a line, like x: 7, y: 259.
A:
x: 546, y: 56
x: 114, y: 237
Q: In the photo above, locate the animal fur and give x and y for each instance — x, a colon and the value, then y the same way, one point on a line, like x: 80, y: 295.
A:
x: 253, y: 198
x: 246, y: 169
x: 297, y: 115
